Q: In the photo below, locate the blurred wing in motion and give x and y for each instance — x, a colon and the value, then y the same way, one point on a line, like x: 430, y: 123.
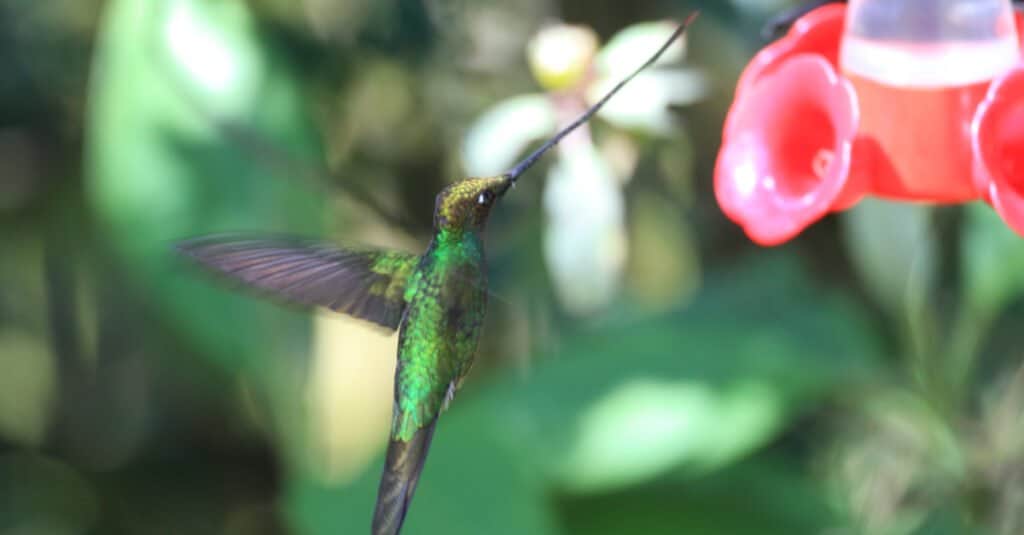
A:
x: 364, y: 284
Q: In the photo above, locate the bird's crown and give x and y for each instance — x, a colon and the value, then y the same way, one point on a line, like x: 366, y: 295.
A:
x: 467, y: 203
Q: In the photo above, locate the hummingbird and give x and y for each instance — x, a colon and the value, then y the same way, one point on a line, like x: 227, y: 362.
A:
x: 436, y: 300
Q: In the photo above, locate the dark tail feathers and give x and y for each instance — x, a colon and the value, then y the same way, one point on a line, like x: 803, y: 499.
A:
x: 401, y: 473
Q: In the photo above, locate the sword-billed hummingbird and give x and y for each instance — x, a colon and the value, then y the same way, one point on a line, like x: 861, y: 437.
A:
x: 437, y: 301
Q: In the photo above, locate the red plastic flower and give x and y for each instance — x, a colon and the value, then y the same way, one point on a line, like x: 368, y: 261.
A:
x: 907, y: 119
x: 787, y: 158
x: 998, y: 143
x: 818, y: 32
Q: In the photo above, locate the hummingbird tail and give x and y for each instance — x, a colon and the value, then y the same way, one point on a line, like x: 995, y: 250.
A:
x: 402, y: 469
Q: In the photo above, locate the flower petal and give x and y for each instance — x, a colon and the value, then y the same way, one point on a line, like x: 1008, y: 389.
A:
x: 787, y: 159
x: 817, y: 32
x: 997, y: 139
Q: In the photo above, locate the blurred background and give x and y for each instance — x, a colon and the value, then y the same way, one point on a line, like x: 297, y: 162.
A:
x: 644, y: 367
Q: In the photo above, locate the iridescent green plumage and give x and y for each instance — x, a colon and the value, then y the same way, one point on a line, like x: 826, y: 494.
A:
x: 446, y: 301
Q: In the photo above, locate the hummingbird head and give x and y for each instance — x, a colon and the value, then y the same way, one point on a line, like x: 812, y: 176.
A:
x: 467, y: 203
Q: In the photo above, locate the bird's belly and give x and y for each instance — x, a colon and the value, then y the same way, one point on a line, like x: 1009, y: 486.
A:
x: 437, y: 343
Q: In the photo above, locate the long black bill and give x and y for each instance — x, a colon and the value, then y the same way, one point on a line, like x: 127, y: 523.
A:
x: 528, y: 162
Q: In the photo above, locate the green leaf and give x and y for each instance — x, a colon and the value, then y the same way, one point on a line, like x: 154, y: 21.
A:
x: 893, y: 248
x: 646, y: 426
x: 196, y: 126
x: 774, y: 499
x: 699, y: 388
x: 993, y: 260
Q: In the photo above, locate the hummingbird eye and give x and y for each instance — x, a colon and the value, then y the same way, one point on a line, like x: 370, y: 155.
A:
x: 485, y: 197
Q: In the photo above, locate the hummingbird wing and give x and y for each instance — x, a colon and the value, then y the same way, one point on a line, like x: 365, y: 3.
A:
x: 366, y: 284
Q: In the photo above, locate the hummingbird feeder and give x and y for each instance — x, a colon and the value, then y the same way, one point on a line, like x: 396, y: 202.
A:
x: 912, y: 100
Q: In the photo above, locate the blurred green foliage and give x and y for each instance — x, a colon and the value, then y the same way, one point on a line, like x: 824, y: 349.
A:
x: 644, y: 368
